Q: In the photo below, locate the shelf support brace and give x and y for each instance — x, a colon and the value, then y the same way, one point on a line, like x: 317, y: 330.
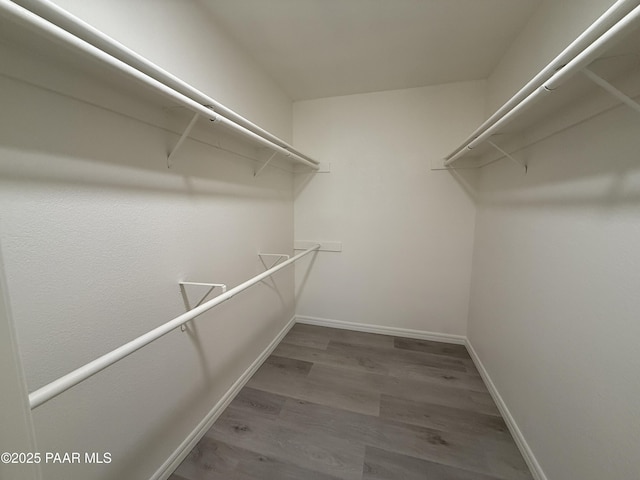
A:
x: 185, y: 298
x: 264, y: 165
x: 181, y: 140
x: 280, y: 256
x: 509, y: 156
x: 602, y: 83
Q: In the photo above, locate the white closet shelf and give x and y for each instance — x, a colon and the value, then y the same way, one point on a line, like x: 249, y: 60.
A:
x: 53, y: 37
x: 566, y: 92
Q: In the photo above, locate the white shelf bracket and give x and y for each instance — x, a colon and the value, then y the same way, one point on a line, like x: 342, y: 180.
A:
x: 509, y: 156
x: 181, y: 140
x: 602, y: 83
x: 264, y: 165
x: 185, y: 297
x: 279, y: 257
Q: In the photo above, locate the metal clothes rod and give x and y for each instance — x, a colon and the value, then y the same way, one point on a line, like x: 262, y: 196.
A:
x: 55, y: 388
x: 90, y: 34
x: 589, y: 54
x: 578, y: 63
x: 32, y: 21
x: 69, y: 22
x: 609, y: 18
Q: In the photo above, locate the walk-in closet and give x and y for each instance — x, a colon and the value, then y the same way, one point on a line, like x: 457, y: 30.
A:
x: 319, y: 240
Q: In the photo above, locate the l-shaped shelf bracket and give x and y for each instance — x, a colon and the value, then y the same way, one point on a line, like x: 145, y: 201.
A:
x: 181, y: 140
x: 509, y: 156
x: 602, y: 83
x: 185, y: 298
x: 280, y: 256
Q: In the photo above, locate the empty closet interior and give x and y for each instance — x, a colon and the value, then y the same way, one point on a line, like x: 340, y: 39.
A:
x: 193, y: 192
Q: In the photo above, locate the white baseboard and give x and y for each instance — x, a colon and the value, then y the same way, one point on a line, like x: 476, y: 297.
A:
x: 523, y: 446
x: 397, y: 332
x: 194, y: 437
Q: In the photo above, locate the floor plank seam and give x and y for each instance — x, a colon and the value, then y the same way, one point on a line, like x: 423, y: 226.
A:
x: 321, y: 414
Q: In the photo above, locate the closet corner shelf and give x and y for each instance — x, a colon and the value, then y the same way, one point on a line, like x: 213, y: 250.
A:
x: 563, y: 93
x: 53, y: 36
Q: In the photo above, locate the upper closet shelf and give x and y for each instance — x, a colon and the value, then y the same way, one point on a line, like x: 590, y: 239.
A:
x: 41, y: 26
x: 607, y: 52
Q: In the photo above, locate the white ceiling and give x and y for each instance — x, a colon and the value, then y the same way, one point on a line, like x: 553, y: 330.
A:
x: 322, y: 48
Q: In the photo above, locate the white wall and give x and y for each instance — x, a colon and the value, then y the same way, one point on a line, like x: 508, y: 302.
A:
x: 96, y: 232
x: 554, y: 305
x: 407, y: 231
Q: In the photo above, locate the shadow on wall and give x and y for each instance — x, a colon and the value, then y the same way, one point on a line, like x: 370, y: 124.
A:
x: 305, y: 278
x: 52, y: 137
x: 468, y: 180
x: 593, y: 164
x: 190, y: 401
x: 195, y: 403
x: 301, y: 182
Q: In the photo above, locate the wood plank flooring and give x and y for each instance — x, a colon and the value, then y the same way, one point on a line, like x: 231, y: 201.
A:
x: 335, y: 404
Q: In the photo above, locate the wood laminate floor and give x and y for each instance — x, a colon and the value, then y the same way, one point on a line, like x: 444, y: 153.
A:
x: 335, y: 404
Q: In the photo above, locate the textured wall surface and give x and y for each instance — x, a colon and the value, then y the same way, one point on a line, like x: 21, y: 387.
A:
x: 554, y: 307
x: 554, y: 304
x: 96, y: 232
x: 407, y: 231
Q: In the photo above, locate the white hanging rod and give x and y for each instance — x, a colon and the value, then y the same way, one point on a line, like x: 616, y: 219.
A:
x: 185, y: 297
x: 30, y: 20
x: 69, y: 22
x: 578, y: 63
x: 602, y: 24
x: 73, y: 378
